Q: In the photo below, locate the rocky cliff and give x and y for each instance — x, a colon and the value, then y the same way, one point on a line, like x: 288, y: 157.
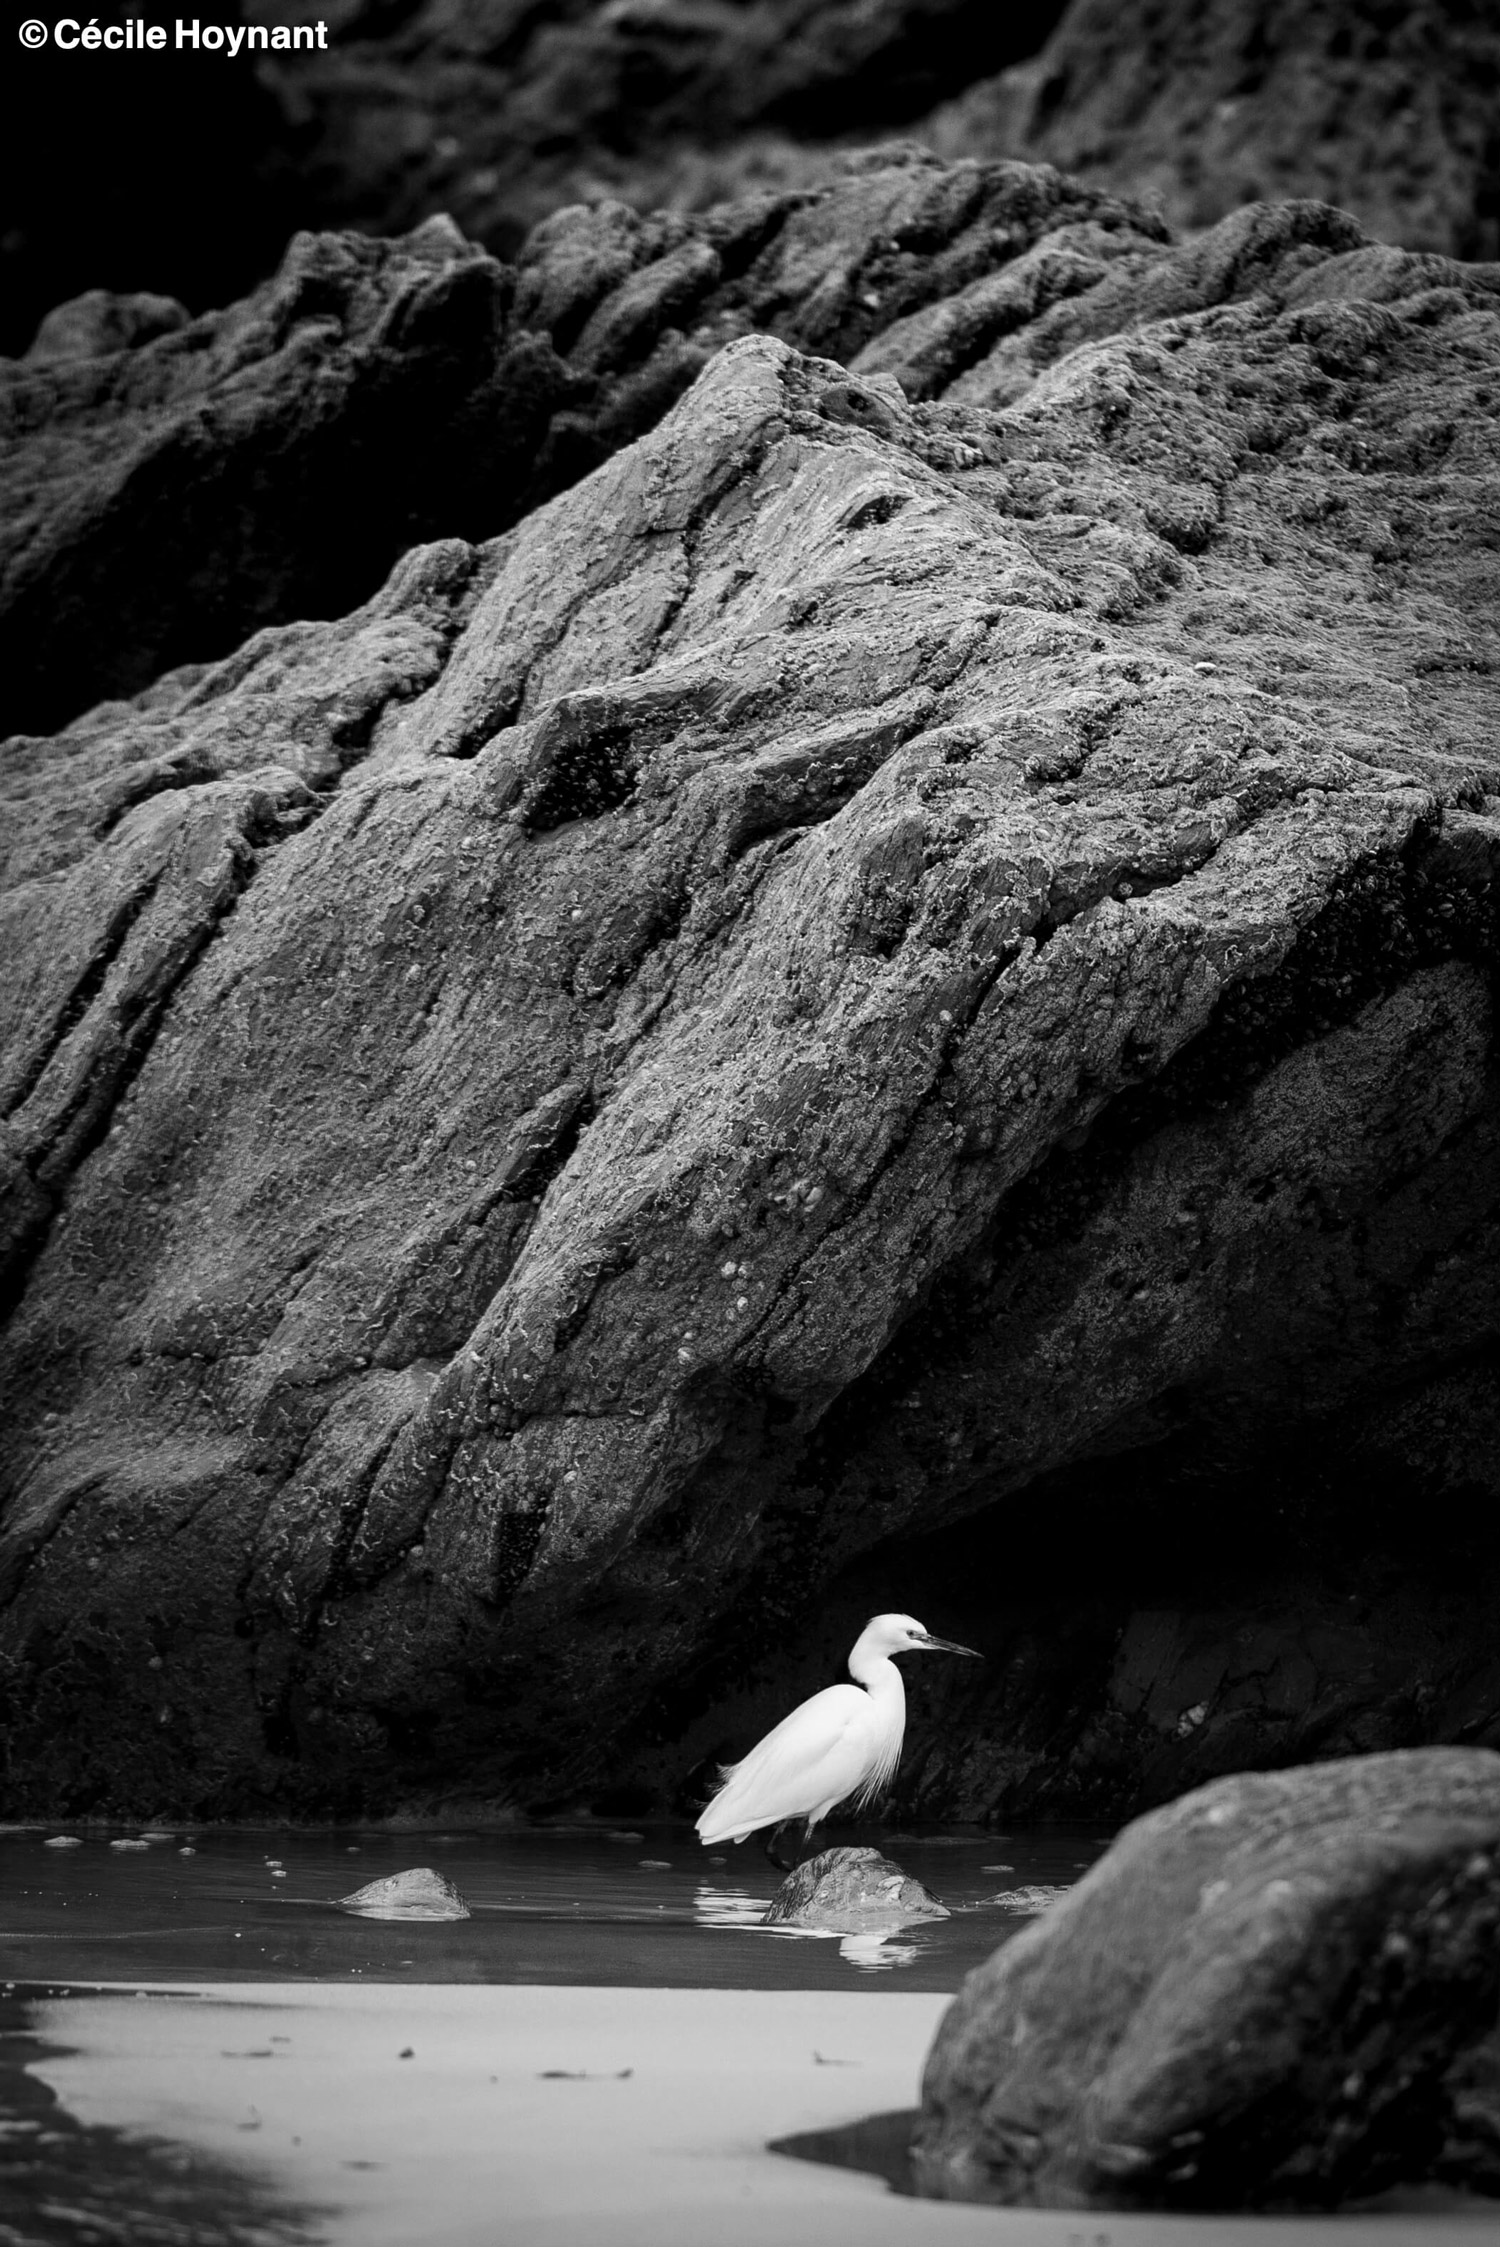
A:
x: 907, y: 961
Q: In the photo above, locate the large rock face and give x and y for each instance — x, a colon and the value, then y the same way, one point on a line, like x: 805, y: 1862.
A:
x: 1388, y: 112
x: 1268, y: 1994
x: 866, y: 954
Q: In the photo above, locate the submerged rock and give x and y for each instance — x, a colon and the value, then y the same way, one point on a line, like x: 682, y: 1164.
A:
x: 1028, y: 1902
x: 418, y: 1894
x: 1268, y: 1994
x: 851, y: 1892
x: 871, y: 953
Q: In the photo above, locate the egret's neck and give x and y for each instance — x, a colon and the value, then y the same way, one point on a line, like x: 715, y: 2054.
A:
x: 878, y: 1674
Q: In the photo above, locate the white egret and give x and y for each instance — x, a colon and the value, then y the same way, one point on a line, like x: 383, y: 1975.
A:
x: 845, y: 1741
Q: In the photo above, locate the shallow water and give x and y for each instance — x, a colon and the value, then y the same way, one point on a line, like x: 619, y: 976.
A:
x: 551, y: 1904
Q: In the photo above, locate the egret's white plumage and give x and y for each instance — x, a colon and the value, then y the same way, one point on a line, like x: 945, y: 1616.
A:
x: 845, y: 1742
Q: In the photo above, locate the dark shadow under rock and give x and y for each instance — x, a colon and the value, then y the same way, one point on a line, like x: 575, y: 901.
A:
x: 851, y: 1892
x: 1256, y: 1999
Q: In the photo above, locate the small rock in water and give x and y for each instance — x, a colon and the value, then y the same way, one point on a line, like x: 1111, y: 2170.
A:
x: 157, y: 1833
x: 656, y: 1864
x: 623, y: 1836
x: 1026, y: 1902
x: 188, y: 1852
x: 130, y: 1845
x: 419, y: 1894
x: 64, y: 1841
x: 851, y: 1892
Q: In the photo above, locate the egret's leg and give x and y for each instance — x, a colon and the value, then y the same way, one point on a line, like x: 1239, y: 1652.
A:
x: 773, y: 1846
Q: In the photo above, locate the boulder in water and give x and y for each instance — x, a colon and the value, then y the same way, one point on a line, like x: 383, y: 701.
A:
x: 418, y: 1894
x: 851, y: 1892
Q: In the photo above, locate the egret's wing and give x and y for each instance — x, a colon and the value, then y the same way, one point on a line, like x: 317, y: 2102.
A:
x: 825, y: 1716
x: 831, y: 1725
x: 816, y: 1755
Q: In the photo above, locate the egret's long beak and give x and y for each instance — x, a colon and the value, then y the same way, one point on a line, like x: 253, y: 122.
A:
x: 945, y: 1646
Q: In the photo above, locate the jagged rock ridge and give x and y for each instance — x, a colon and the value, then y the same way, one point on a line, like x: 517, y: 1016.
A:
x: 173, y: 484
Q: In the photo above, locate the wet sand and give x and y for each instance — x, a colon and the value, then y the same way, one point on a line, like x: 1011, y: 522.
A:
x: 528, y: 2116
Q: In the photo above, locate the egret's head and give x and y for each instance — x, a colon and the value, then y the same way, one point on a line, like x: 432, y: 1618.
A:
x: 903, y: 1634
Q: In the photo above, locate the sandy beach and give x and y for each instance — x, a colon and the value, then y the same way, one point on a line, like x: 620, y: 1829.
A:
x: 569, y: 2117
